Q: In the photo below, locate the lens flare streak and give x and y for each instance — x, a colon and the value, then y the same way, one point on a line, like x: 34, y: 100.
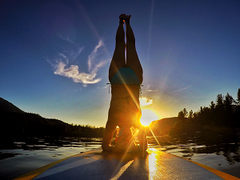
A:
x: 154, y: 136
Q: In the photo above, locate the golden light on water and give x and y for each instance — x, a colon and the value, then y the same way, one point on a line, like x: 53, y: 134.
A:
x: 148, y: 116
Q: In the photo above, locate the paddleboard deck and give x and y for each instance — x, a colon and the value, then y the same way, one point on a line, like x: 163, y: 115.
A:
x: 100, y: 165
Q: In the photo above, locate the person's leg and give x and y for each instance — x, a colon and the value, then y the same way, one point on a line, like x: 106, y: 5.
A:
x: 142, y: 139
x: 118, y: 60
x: 132, y: 57
x: 108, y: 134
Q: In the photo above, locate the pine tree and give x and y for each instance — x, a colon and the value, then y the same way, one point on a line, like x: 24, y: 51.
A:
x: 219, y: 100
x: 212, y: 105
x: 238, y: 96
x: 228, y: 100
x: 190, y: 115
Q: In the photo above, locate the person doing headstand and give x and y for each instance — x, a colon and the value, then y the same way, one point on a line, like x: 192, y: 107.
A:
x: 125, y: 77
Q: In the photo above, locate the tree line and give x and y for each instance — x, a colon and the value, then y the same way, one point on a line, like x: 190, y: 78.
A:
x: 224, y: 112
x: 19, y: 126
x: 221, y: 119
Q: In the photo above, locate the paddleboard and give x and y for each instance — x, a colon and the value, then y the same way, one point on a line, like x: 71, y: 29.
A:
x: 99, y: 165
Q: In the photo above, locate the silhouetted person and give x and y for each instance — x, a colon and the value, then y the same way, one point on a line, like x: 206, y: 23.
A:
x: 125, y: 77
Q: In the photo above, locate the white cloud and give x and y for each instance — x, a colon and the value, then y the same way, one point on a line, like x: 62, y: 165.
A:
x: 78, y: 77
x: 61, y: 66
x: 144, y: 101
x: 93, y: 54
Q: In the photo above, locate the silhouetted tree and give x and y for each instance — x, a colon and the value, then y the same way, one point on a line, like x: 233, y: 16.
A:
x: 238, y: 96
x: 219, y: 100
x: 220, y: 121
x: 228, y: 100
x: 180, y: 115
x: 190, y: 115
x: 183, y: 114
x: 212, y: 105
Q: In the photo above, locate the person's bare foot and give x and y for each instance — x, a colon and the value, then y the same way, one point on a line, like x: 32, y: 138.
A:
x: 124, y: 18
x: 127, y: 18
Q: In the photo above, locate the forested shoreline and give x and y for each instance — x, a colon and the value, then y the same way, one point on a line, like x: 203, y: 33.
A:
x: 17, y: 126
x: 218, y: 123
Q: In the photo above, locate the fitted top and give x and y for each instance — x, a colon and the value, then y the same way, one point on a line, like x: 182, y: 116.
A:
x: 125, y: 76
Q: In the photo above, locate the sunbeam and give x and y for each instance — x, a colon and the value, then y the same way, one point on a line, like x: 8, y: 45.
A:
x: 154, y: 137
x: 89, y: 22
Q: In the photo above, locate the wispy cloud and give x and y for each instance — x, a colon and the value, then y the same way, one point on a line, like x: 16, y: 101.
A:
x: 92, y: 56
x: 66, y: 38
x: 150, y: 89
x: 63, y: 67
x: 182, y: 89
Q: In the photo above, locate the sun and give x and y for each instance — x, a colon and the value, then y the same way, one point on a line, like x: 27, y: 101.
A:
x: 148, y: 116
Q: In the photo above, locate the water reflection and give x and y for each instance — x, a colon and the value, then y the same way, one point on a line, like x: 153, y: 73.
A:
x: 48, y: 144
x: 18, y: 161
x: 152, y: 164
x: 186, y: 144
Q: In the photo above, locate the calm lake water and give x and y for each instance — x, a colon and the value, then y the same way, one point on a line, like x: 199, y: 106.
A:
x: 16, y: 162
x: 225, y: 161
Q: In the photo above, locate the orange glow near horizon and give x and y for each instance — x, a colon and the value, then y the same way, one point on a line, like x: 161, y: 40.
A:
x: 148, y: 116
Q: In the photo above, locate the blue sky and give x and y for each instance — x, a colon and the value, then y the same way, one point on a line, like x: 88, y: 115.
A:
x: 55, y: 55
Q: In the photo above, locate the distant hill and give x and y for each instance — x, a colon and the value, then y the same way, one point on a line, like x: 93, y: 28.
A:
x: 17, y: 125
x: 6, y: 106
x: 162, y: 126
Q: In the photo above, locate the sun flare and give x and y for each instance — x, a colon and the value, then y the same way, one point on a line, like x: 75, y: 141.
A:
x: 148, y: 116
